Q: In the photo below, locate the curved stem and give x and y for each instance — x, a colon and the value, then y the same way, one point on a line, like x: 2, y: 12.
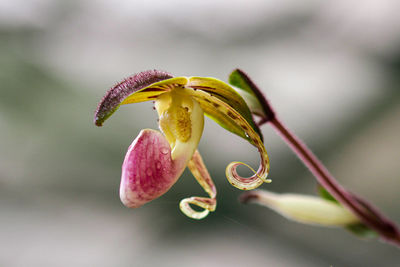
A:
x: 368, y: 214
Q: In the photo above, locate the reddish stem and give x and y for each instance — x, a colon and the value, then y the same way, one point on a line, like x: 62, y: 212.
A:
x: 367, y: 213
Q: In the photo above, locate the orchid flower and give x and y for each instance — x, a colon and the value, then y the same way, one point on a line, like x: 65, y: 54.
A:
x: 155, y: 160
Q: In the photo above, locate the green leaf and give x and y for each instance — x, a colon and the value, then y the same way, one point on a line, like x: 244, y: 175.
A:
x: 326, y: 195
x: 361, y: 230
x: 252, y: 94
x: 237, y: 79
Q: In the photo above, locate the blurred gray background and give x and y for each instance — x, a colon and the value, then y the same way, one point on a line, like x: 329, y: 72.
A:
x: 330, y: 68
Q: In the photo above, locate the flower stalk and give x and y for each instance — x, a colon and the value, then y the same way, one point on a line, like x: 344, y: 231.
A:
x: 366, y: 212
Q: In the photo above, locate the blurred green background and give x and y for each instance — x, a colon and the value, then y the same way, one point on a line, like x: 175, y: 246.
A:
x: 330, y: 68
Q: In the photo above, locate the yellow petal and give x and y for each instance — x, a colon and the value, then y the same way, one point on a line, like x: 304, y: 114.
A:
x: 181, y: 121
x: 199, y: 171
x: 227, y: 94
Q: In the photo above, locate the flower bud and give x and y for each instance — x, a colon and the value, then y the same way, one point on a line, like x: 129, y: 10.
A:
x: 303, y: 208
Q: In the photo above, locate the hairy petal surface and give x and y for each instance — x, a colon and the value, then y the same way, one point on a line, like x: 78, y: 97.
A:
x: 133, y: 84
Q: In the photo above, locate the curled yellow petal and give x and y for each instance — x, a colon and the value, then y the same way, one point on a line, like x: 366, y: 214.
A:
x: 199, y: 171
x: 232, y: 117
x: 207, y: 204
x: 244, y: 183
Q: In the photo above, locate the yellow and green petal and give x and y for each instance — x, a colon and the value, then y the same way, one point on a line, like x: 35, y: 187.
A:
x: 228, y: 95
x: 233, y: 119
x: 199, y: 171
x: 152, y: 91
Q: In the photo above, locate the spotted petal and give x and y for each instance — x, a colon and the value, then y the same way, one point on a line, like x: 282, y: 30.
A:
x: 225, y: 106
x: 228, y: 95
x: 199, y: 171
x: 233, y: 118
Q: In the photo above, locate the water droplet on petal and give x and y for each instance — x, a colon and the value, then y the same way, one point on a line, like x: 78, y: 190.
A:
x: 247, y: 135
x: 158, y: 165
x: 164, y: 150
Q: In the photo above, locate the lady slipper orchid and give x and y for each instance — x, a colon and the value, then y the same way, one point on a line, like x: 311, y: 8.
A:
x: 155, y: 160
